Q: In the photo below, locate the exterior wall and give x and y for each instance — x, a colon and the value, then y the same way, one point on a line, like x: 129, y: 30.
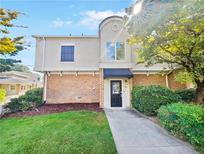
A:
x: 108, y: 35
x: 39, y: 54
x: 7, y: 87
x: 155, y: 79
x: 152, y: 79
x: 86, y: 54
x: 72, y: 89
x: 174, y: 84
x: 19, y: 88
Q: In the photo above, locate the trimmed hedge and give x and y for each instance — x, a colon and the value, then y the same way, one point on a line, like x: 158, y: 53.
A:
x: 187, y: 95
x: 30, y: 100
x: 148, y: 99
x: 184, y: 120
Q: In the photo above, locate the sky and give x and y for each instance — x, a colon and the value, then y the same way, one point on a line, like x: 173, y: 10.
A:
x: 59, y: 17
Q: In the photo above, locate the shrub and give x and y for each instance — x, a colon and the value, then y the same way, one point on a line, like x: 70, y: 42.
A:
x: 187, y: 95
x: 184, y: 120
x: 148, y: 99
x: 2, y: 94
x: 34, y: 95
x: 31, y: 99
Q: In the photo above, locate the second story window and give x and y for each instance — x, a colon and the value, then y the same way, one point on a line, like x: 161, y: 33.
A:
x: 67, y: 53
x: 115, y: 51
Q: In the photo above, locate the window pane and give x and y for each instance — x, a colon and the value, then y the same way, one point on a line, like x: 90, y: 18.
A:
x: 110, y: 51
x: 115, y: 88
x: 67, y: 53
x: 120, y: 49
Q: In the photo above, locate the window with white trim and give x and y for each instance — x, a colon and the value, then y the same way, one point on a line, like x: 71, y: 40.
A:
x: 115, y: 50
x: 67, y: 53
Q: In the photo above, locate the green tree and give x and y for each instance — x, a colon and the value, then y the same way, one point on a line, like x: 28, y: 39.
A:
x: 178, y: 40
x: 7, y: 64
x: 20, y: 68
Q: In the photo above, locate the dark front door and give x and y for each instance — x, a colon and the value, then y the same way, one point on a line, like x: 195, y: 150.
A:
x: 116, y: 93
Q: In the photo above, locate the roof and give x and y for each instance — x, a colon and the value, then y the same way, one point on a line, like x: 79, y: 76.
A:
x: 15, y: 77
x: 117, y: 72
x: 13, y: 80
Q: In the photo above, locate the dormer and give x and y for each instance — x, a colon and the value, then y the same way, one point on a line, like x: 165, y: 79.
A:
x: 114, y: 49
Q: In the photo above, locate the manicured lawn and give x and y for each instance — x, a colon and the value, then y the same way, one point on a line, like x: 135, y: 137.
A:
x: 68, y: 132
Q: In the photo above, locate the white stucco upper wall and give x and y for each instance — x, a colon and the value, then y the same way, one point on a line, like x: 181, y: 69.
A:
x: 86, y: 54
x: 112, y: 29
x: 90, y: 51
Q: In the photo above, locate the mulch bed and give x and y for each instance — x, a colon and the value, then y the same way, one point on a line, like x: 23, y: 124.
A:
x: 56, y: 108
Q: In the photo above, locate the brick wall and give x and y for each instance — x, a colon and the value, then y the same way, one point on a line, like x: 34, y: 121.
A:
x: 155, y: 79
x: 152, y: 79
x: 73, y: 89
x: 173, y: 84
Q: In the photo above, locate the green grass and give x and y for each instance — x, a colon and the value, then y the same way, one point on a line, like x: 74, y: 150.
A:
x: 69, y: 132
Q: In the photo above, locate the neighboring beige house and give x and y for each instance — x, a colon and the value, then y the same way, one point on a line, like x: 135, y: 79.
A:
x: 95, y: 69
x: 17, y: 83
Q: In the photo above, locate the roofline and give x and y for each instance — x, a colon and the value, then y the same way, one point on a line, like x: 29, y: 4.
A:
x: 77, y: 36
x: 65, y: 36
x: 115, y: 16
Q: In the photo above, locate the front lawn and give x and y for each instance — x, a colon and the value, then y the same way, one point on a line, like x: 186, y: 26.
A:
x: 68, y: 132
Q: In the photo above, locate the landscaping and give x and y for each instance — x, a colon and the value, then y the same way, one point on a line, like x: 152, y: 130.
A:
x: 68, y: 132
x: 185, y: 121
x: 187, y: 95
x: 30, y: 100
x: 148, y: 99
x: 174, y: 111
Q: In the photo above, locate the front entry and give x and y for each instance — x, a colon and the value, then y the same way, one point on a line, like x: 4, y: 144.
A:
x: 116, y: 93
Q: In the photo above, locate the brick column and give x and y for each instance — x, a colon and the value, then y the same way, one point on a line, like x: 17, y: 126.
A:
x: 101, y: 88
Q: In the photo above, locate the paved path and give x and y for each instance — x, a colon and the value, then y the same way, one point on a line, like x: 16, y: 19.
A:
x: 137, y: 135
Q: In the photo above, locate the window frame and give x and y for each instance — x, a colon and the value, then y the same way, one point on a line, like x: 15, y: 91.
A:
x: 67, y: 44
x: 12, y: 87
x: 123, y: 60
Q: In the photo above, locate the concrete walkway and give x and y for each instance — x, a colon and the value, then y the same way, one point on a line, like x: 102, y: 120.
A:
x: 134, y: 134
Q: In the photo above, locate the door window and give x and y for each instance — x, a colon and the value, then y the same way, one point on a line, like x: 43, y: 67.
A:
x: 116, y: 88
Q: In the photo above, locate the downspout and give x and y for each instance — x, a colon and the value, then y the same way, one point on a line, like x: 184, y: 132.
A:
x: 45, y: 73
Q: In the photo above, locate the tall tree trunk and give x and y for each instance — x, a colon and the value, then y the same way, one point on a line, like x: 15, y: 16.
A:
x: 200, y: 92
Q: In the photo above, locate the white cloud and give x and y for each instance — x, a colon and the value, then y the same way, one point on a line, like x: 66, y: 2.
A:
x: 92, y: 18
x: 58, y: 23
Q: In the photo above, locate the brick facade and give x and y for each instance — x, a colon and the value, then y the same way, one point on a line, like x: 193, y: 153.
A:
x: 173, y: 84
x: 157, y: 79
x: 89, y: 88
x: 152, y: 79
x: 73, y: 89
x: 101, y: 88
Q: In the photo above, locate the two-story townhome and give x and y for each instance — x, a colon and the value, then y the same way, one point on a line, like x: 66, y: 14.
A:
x: 95, y: 69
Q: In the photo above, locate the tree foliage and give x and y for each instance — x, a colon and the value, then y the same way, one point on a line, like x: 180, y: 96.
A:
x: 20, y: 68
x: 179, y: 40
x: 7, y: 64
x: 9, y: 45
